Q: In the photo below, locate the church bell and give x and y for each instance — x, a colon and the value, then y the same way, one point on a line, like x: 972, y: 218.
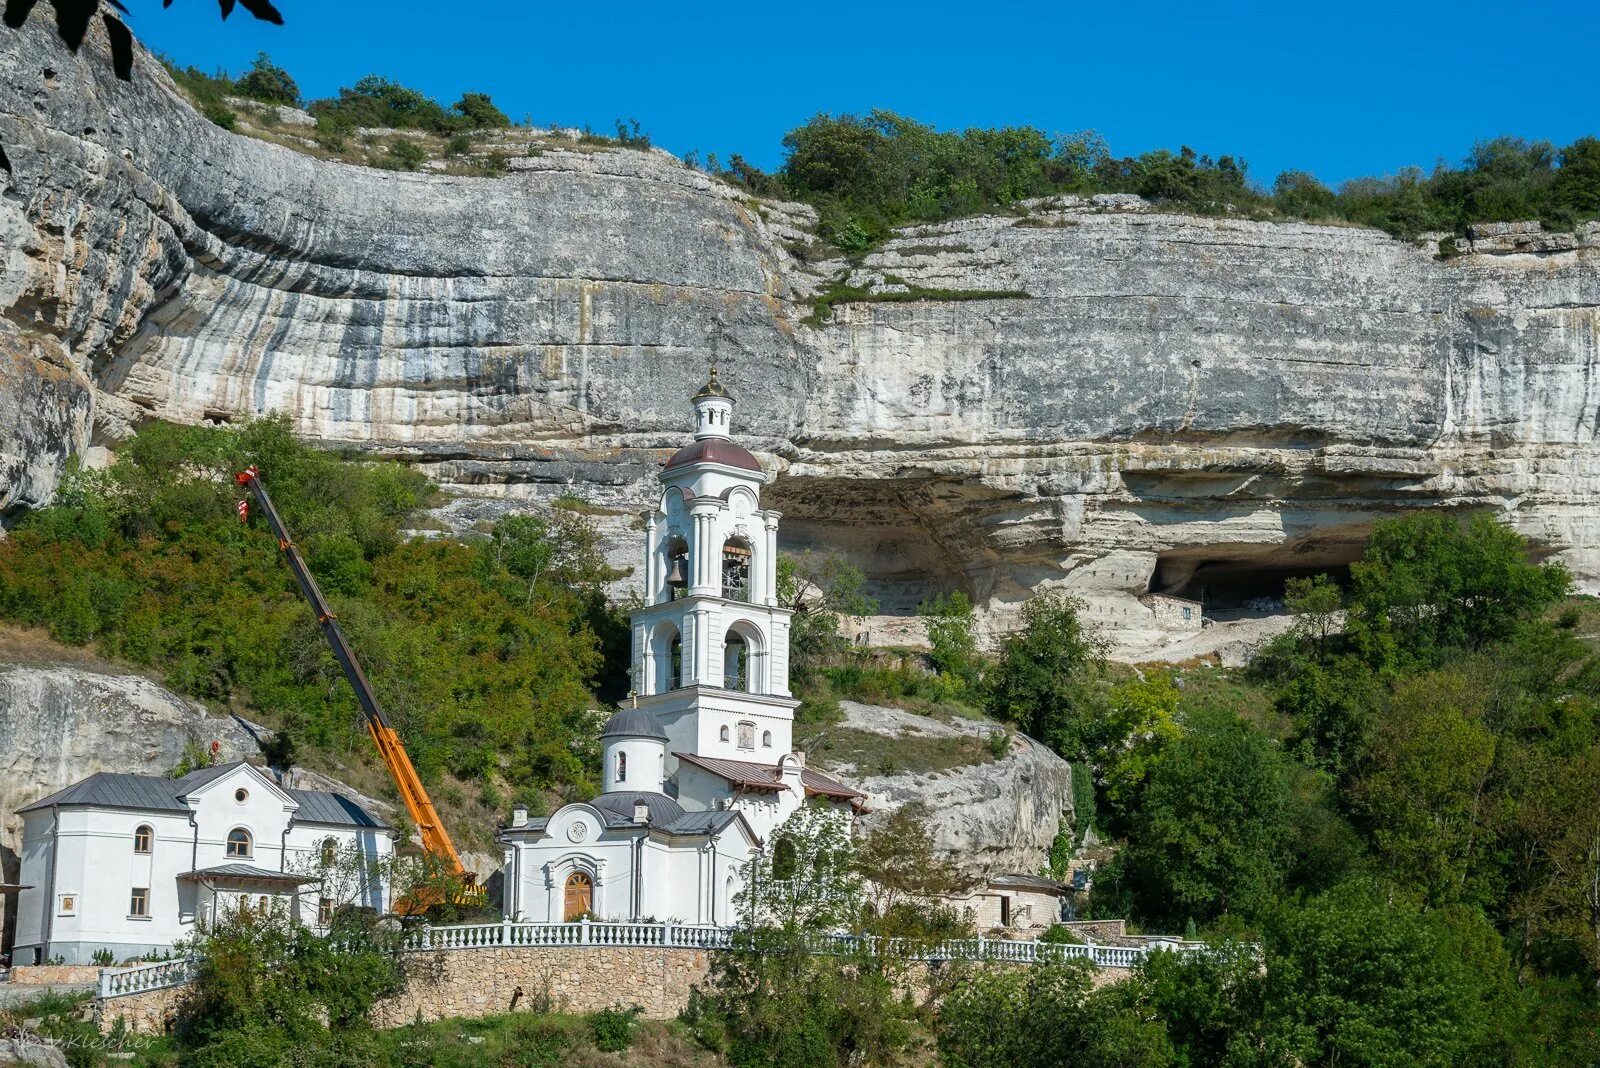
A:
x: 675, y: 574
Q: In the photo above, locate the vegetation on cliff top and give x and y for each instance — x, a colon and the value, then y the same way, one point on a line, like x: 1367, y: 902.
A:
x: 869, y: 173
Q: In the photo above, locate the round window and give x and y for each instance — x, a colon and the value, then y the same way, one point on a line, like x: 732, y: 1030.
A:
x: 241, y: 795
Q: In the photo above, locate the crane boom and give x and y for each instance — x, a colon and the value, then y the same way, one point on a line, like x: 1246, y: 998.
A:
x: 419, y: 806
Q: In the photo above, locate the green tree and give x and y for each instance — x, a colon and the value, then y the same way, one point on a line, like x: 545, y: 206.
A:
x: 774, y: 1001
x: 952, y: 635
x: 1424, y: 792
x: 1044, y: 1016
x: 1210, y: 835
x: 268, y: 82
x: 268, y: 988
x: 1354, y: 978
x: 1041, y: 679
x: 821, y: 589
x: 1429, y: 583
x: 478, y: 112
x: 1576, y: 187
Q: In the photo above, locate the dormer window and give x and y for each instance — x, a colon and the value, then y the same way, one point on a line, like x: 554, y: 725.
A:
x: 239, y: 842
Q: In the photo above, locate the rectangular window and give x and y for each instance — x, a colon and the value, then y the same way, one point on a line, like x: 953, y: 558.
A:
x: 325, y: 912
x: 1005, y: 911
x: 139, y: 902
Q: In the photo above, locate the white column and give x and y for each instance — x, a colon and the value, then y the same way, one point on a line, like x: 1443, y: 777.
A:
x: 769, y: 571
x: 652, y: 566
x: 704, y: 551
x: 690, y: 652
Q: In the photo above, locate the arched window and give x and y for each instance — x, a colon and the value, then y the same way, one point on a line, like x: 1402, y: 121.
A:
x: 766, y: 739
x: 675, y: 663
x: 330, y: 849
x: 622, y: 767
x: 144, y: 838
x: 238, y: 842
x: 736, y: 557
x: 722, y: 734
x: 579, y: 897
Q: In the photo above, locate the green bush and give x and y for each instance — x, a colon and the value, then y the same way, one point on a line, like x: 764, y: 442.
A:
x: 404, y: 154
x: 614, y: 1028
x: 268, y: 82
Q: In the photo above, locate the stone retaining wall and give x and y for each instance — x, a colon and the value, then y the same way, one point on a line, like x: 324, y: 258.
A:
x: 484, y: 982
x: 55, y: 974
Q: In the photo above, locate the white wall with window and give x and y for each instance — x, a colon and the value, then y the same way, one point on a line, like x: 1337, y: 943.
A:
x: 128, y: 864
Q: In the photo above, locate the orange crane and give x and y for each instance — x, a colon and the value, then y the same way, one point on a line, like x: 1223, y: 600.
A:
x: 419, y: 806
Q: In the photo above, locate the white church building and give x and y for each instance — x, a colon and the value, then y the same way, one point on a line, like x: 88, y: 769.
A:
x: 700, y: 768
x: 126, y: 864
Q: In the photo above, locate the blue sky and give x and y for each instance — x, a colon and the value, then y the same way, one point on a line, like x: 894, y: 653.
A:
x: 1341, y: 90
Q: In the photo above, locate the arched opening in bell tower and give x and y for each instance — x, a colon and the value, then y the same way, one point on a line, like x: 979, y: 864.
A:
x: 737, y: 557
x: 664, y: 669
x: 743, y: 659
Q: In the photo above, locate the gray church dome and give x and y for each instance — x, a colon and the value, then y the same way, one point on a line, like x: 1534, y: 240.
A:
x: 633, y: 723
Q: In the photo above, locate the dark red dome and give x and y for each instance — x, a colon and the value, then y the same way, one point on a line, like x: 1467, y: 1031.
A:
x: 714, y: 451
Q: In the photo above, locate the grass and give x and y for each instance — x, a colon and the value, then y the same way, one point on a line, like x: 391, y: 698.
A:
x: 908, y: 752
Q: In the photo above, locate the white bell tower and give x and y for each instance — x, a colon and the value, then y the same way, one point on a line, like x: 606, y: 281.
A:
x: 711, y: 644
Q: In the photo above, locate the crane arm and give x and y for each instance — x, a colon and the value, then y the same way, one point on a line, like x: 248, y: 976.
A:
x: 419, y: 806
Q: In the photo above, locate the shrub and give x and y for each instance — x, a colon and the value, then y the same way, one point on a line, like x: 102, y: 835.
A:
x: 268, y: 83
x: 614, y: 1028
x: 405, y: 154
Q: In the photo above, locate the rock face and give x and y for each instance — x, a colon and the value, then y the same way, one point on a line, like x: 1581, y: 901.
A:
x: 1186, y: 405
x: 60, y: 724
x: 990, y: 818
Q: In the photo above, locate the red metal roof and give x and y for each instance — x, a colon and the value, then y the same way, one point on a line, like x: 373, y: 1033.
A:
x: 714, y: 451
x: 754, y: 776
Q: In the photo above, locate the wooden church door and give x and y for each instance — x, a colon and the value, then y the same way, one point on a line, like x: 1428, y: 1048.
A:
x: 580, y: 896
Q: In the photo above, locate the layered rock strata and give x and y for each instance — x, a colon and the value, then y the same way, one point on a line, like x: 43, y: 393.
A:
x: 1184, y: 405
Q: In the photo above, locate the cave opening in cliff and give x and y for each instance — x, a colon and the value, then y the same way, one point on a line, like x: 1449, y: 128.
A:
x: 1234, y: 580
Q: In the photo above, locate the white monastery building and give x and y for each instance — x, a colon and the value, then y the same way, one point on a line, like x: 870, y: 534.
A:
x: 127, y: 864
x: 700, y: 768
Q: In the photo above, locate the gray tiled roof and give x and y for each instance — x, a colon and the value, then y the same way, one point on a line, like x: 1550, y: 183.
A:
x: 708, y: 822
x: 248, y: 871
x: 200, y: 776
x: 320, y: 806
x: 153, y: 793
x: 617, y: 807
x: 110, y: 789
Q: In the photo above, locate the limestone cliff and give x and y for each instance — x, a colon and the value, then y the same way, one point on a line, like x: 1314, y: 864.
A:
x: 1179, y: 404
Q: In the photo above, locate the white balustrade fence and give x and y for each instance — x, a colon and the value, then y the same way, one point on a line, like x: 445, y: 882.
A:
x: 117, y: 982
